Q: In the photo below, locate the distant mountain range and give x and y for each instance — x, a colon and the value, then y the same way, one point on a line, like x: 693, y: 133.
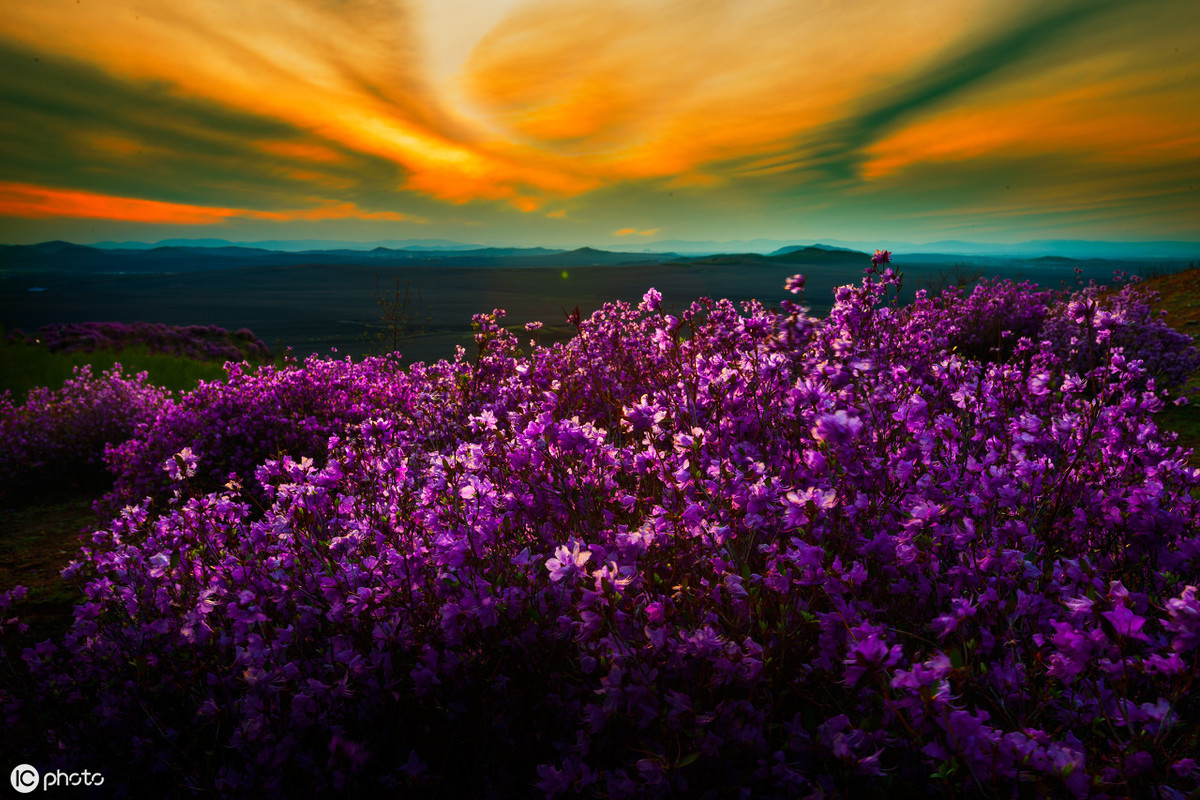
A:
x: 1068, y: 248
x: 217, y: 255
x: 196, y: 255
x: 64, y: 256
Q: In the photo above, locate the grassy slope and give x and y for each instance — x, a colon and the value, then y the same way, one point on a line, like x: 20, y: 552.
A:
x: 23, y: 367
x: 1179, y: 297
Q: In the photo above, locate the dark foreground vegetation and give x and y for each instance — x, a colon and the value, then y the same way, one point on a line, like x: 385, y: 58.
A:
x: 935, y: 549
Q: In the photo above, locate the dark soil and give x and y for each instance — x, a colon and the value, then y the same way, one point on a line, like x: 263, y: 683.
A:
x: 35, y: 544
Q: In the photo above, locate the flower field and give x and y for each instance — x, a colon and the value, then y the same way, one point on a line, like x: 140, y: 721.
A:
x: 940, y: 549
x: 173, y: 356
x: 191, y: 341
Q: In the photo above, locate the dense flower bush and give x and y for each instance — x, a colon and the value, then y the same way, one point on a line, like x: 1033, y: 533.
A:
x: 233, y: 425
x: 53, y: 444
x: 1082, y: 326
x: 1095, y: 320
x: 986, y: 324
x: 737, y: 552
x: 204, y: 342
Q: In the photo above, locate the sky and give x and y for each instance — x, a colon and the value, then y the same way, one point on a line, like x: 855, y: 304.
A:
x: 599, y: 122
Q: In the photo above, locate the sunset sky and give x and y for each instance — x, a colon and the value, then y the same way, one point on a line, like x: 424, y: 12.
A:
x: 599, y: 122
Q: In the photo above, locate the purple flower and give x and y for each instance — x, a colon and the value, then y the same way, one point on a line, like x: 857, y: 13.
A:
x: 1126, y: 623
x: 567, y: 562
x: 354, y: 754
x: 181, y: 465
x: 807, y: 503
x: 552, y: 780
x: 1184, y: 622
x: 777, y: 509
x: 869, y: 653
x: 642, y: 416
x: 837, y: 428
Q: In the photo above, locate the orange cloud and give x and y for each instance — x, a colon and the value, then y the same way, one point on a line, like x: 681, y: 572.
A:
x: 302, y: 151
x: 636, y: 232
x: 526, y: 204
x: 565, y: 97
x: 1116, y: 117
x: 618, y: 90
x: 330, y: 211
x: 568, y: 97
x: 39, y: 202
x: 118, y: 145
x: 347, y: 72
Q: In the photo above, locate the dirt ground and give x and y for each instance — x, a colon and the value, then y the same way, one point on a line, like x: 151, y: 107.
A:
x: 35, y: 544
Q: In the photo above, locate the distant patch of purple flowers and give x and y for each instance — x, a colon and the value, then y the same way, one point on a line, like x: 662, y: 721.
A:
x: 733, y: 552
x: 202, y: 342
x: 1097, y: 321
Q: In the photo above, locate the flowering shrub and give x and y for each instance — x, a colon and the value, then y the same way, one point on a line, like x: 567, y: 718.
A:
x: 205, y: 342
x: 728, y: 553
x: 986, y: 324
x: 53, y: 444
x: 233, y: 425
x: 1094, y: 321
x: 1082, y: 327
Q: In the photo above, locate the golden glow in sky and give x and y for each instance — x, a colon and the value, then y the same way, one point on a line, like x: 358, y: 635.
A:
x: 594, y: 121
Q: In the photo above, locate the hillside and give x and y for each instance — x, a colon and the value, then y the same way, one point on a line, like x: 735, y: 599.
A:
x: 1179, y: 296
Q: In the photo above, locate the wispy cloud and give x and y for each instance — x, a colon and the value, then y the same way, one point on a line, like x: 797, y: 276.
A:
x: 41, y: 202
x: 278, y: 105
x: 661, y: 88
x: 344, y: 72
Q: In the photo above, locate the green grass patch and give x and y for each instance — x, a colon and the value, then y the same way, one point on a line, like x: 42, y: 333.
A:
x: 24, y: 367
x: 1185, y: 420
